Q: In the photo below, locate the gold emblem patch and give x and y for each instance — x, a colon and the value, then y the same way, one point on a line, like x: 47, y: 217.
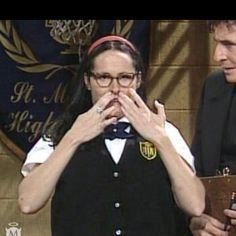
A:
x: 148, y: 150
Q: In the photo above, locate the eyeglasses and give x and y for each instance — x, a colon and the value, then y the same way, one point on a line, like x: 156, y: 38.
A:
x: 105, y: 79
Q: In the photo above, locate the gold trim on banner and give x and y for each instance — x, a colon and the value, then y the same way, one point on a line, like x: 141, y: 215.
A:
x: 21, y: 53
x: 123, y: 27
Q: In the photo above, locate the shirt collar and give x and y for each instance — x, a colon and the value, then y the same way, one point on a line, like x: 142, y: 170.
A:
x: 123, y: 119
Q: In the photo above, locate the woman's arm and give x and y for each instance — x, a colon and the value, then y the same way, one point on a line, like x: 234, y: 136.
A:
x: 37, y: 187
x: 188, y: 190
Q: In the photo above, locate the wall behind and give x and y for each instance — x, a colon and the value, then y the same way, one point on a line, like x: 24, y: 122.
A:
x: 180, y: 59
x: 11, y: 218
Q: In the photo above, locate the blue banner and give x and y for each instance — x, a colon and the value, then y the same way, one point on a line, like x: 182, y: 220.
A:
x: 37, y: 60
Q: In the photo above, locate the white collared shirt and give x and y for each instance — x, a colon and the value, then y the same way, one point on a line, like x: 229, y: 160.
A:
x: 43, y: 149
x: 116, y: 146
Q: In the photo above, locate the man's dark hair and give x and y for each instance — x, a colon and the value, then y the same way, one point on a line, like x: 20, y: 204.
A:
x: 213, y: 23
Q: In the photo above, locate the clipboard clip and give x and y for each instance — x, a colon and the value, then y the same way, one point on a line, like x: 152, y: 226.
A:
x: 225, y: 171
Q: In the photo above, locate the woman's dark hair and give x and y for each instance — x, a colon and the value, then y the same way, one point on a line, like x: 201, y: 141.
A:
x: 213, y: 23
x: 79, y: 98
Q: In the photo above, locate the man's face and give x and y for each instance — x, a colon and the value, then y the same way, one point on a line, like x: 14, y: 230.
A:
x: 225, y: 51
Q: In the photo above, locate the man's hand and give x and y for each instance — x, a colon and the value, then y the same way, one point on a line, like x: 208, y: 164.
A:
x: 231, y: 214
x: 206, y: 225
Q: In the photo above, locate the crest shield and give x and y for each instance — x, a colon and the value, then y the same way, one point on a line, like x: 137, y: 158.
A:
x: 148, y: 150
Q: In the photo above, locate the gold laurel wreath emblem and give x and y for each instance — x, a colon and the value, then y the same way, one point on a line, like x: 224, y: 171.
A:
x: 20, y: 52
x: 123, y: 27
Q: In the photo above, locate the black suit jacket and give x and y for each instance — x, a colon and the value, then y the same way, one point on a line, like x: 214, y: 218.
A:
x: 211, y: 118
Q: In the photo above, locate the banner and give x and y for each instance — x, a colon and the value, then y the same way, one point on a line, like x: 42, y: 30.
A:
x: 37, y: 60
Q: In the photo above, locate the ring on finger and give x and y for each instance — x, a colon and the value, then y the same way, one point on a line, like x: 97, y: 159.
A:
x: 99, y: 110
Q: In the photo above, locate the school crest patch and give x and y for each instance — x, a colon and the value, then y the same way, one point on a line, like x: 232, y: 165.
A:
x: 148, y: 150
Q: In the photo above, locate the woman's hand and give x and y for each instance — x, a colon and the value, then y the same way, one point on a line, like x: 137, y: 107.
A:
x: 91, y: 123
x: 150, y: 125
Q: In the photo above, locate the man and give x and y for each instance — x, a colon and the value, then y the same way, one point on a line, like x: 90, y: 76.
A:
x: 214, y: 143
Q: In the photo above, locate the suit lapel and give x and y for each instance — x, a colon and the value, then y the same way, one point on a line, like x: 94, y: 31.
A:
x: 215, y: 114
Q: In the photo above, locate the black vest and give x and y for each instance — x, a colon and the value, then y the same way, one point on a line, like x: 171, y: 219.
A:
x: 96, y: 197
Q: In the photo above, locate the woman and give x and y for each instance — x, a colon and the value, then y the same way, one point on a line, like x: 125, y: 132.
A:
x: 112, y: 180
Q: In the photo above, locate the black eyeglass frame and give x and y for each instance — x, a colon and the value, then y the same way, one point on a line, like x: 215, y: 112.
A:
x: 98, y: 76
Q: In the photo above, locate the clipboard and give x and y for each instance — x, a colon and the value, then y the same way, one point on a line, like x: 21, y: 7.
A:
x: 218, y: 195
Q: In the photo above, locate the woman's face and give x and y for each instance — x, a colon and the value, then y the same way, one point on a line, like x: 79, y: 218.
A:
x: 112, y: 63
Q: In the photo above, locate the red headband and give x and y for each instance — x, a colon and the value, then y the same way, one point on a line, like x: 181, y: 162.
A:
x: 110, y: 38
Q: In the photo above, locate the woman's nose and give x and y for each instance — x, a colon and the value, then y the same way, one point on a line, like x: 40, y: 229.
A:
x: 115, y: 87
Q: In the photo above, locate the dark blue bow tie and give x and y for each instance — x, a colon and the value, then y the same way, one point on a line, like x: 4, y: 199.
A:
x: 117, y: 131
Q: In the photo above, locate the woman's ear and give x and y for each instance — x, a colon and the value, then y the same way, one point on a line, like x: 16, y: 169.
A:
x: 86, y: 81
x: 139, y: 80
